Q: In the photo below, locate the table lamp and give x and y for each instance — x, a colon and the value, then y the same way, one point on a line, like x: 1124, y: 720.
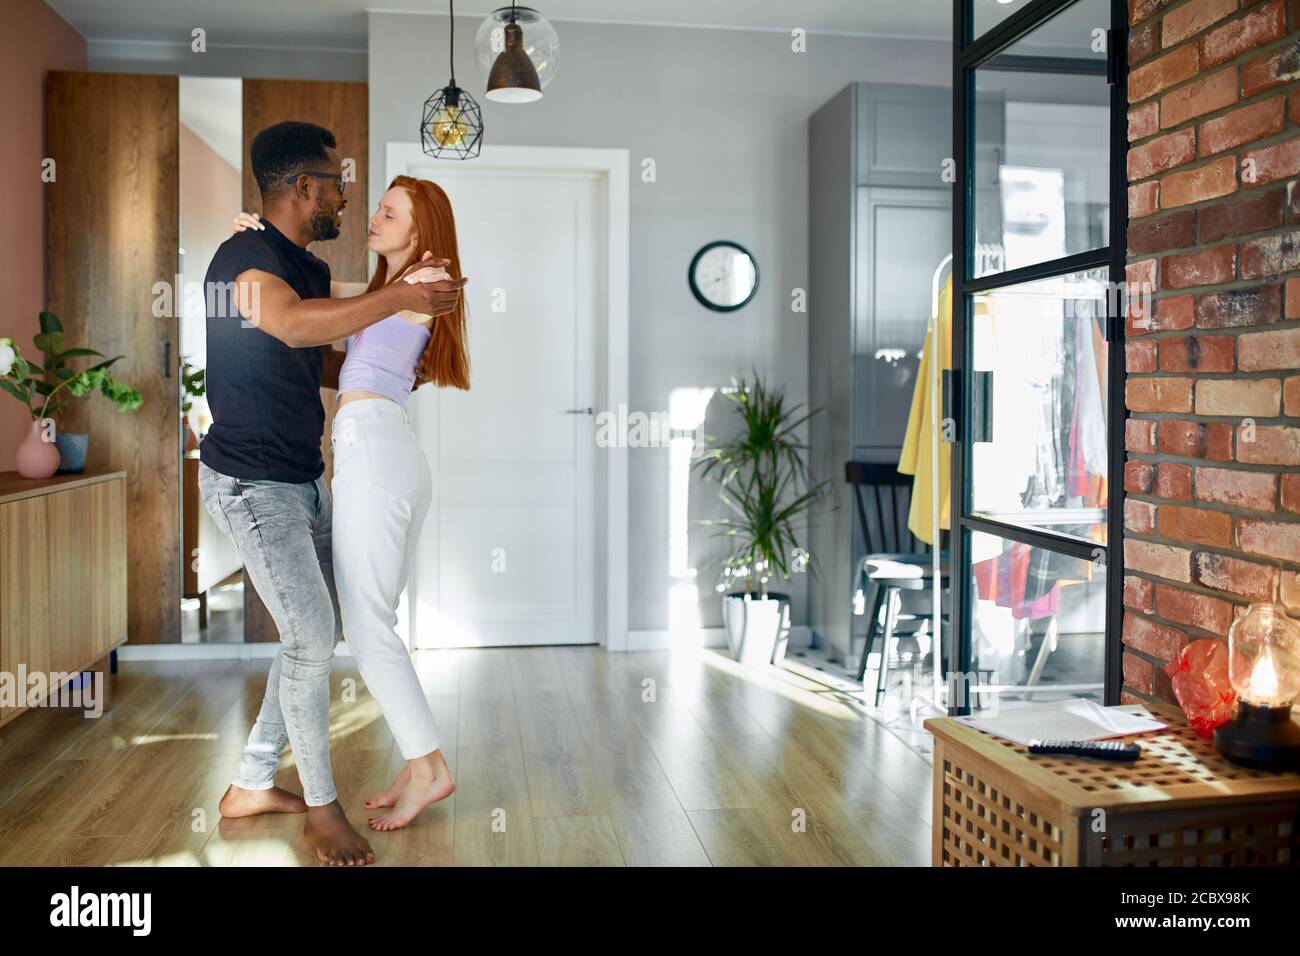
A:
x: 1264, y: 668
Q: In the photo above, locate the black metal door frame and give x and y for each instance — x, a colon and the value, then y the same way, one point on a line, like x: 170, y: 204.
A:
x: 968, y: 54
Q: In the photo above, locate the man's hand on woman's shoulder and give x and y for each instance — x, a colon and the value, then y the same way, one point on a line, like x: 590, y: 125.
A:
x: 429, y: 294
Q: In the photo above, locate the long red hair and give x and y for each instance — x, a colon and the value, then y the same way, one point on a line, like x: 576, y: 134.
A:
x: 445, y: 361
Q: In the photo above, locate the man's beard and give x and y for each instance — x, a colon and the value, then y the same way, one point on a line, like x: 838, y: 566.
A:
x: 324, y: 225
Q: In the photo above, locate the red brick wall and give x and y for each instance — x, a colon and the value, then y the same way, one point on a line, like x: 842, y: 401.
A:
x: 1212, y: 475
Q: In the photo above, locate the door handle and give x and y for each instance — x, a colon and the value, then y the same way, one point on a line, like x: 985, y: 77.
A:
x: 981, y: 402
x: 580, y: 411
x: 982, y: 406
x: 946, y: 399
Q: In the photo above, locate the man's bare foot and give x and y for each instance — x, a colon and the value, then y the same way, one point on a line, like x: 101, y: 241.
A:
x: 332, y: 837
x: 389, y: 796
x: 428, y: 780
x: 238, y: 802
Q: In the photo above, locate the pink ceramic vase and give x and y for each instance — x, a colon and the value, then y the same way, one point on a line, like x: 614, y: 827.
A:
x: 36, y: 457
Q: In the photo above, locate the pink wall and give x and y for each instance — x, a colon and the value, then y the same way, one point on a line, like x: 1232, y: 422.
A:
x: 34, y: 39
x: 211, y: 192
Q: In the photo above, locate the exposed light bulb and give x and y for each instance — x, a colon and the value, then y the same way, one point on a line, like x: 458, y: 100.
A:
x: 447, y: 128
x: 1263, y: 679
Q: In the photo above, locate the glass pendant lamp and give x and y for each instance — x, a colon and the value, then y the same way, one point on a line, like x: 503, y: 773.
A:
x: 517, y: 49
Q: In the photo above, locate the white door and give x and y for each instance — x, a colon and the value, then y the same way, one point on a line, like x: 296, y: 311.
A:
x: 507, y: 553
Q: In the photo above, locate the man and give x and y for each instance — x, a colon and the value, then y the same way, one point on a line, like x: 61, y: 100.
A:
x: 270, y: 323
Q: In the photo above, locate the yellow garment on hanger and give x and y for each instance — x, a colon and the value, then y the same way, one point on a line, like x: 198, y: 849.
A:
x: 916, y: 458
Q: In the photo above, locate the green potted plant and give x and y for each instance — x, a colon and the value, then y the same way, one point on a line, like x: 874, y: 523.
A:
x: 192, y: 386
x: 763, y: 481
x: 45, y: 391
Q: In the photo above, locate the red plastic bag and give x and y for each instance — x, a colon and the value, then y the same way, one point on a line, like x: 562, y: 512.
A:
x: 1200, y: 679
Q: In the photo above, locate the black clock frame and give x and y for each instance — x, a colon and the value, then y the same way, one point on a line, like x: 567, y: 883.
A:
x: 695, y: 290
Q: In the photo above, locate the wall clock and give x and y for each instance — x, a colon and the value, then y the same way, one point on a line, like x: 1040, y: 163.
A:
x: 723, y: 276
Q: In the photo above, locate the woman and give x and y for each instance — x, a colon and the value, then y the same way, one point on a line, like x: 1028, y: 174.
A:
x: 382, y: 486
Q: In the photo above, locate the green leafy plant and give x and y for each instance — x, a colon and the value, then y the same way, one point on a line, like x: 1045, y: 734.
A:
x: 193, y: 384
x: 46, y: 389
x: 762, y: 479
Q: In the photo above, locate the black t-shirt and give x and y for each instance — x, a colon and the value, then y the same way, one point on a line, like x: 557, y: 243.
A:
x: 267, y: 417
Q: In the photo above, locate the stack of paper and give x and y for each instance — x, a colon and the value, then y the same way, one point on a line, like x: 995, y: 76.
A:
x: 1075, y: 719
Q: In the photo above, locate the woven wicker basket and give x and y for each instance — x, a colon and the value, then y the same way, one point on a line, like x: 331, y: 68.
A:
x: 1180, y: 804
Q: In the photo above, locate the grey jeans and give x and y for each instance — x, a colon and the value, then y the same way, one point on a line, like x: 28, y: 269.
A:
x: 282, y: 531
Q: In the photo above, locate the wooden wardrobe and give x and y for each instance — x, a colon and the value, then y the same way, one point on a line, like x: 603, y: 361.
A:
x: 113, y: 234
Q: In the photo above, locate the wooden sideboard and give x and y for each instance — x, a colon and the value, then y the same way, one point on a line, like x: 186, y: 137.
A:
x: 63, y: 557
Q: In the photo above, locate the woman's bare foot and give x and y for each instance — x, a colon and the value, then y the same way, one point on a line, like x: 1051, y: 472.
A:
x: 389, y: 796
x: 428, y: 780
x: 238, y: 802
x: 332, y: 837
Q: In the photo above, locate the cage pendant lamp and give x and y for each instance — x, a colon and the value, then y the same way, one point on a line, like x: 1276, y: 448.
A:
x: 452, y: 124
x: 514, y: 77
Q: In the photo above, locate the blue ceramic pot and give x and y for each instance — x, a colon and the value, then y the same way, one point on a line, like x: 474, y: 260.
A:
x: 72, y: 452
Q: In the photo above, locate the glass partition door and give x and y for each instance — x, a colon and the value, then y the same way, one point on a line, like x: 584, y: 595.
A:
x: 1037, y: 404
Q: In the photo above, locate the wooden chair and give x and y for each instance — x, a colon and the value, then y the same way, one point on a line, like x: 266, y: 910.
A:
x: 896, y: 567
x: 881, y: 492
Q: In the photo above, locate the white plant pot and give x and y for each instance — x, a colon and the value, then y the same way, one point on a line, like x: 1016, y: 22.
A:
x: 757, y: 628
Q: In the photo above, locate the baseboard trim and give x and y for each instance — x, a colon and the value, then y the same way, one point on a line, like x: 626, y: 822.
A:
x: 208, y: 652
x: 676, y: 640
x: 664, y: 640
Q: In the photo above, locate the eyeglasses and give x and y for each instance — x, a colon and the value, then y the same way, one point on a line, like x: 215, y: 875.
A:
x: 307, y: 172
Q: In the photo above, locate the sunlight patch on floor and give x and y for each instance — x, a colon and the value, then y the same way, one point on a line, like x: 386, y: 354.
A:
x: 144, y: 740
x: 780, y: 681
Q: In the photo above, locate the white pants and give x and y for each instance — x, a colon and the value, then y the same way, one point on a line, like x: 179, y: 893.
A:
x: 382, y: 490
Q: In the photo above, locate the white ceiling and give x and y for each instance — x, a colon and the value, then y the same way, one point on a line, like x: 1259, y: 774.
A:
x: 341, y: 24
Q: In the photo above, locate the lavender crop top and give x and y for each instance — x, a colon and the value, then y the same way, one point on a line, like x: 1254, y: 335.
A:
x: 382, y: 358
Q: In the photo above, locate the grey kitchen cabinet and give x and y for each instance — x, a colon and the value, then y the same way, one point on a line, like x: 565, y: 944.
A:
x: 904, y: 134
x: 879, y: 225
x: 902, y: 234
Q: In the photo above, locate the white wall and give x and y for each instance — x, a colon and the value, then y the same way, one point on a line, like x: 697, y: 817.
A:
x: 724, y: 115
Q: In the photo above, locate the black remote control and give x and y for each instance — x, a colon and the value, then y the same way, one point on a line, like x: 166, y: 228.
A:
x: 1101, y: 749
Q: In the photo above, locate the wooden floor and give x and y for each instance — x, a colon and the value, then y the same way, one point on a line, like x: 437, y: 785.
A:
x: 562, y: 756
